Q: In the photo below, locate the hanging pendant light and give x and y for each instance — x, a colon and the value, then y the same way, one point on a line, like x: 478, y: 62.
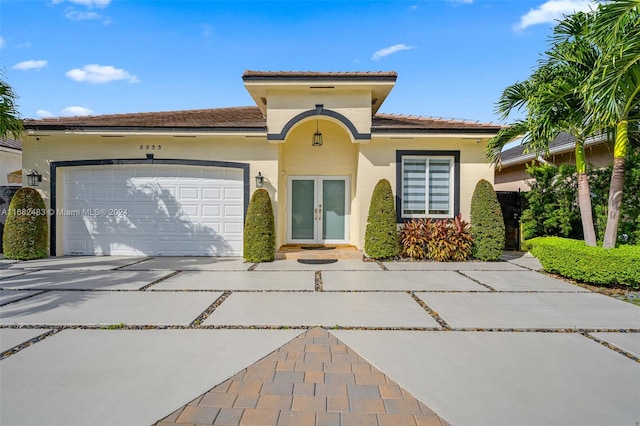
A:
x: 317, y: 137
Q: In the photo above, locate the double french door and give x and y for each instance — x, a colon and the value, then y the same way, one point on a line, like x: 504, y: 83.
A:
x: 318, y: 209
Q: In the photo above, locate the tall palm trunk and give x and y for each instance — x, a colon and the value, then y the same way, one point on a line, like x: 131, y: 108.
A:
x: 617, y: 184
x: 584, y: 195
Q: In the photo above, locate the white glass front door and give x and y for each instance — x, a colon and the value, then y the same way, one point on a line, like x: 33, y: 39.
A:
x: 318, y: 209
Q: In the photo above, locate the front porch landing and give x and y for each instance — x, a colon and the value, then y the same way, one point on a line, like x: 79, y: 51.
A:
x: 318, y: 251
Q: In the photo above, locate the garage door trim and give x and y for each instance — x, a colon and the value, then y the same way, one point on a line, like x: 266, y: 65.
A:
x: 118, y: 162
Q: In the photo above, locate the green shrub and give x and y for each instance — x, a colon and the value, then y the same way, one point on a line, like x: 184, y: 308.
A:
x: 441, y: 240
x: 593, y: 265
x: 553, y: 208
x: 259, y: 229
x: 487, y: 223
x: 381, y: 236
x: 26, y: 229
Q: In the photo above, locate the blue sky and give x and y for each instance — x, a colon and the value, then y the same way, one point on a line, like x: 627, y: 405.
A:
x: 453, y: 57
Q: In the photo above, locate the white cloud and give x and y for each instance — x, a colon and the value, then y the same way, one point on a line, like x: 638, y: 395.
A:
x: 76, y: 15
x: 88, y: 3
x: 30, y: 65
x: 100, y: 74
x: 552, y: 10
x: 2, y: 43
x: 461, y: 1
x: 75, y: 111
x: 389, y: 51
x: 43, y: 113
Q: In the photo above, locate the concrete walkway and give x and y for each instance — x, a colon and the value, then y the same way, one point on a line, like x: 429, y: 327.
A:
x: 128, y: 341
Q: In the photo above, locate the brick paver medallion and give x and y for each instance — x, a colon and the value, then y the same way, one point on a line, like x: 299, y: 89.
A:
x: 315, y: 379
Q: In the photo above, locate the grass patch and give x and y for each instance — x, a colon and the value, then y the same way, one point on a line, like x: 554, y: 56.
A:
x: 593, y: 265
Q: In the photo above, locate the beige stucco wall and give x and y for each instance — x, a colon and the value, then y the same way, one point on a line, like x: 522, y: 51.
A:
x: 10, y: 161
x: 284, y: 105
x: 39, y: 152
x: 364, y: 164
x: 377, y: 160
x: 337, y: 157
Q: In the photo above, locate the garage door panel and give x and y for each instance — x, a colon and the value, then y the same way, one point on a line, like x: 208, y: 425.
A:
x: 168, y: 210
x: 233, y: 193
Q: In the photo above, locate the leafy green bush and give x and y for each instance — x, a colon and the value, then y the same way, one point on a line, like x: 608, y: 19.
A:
x: 381, y: 236
x: 487, y: 223
x: 26, y: 229
x: 553, y: 208
x: 441, y: 240
x: 593, y: 265
x: 259, y: 229
x: 552, y: 203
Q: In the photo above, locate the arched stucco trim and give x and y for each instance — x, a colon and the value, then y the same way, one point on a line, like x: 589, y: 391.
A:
x: 321, y: 111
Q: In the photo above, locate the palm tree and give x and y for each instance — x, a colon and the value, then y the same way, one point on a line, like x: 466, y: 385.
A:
x: 10, y: 122
x: 613, y: 90
x: 555, y: 104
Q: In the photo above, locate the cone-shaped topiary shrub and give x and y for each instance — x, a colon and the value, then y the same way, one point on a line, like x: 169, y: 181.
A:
x: 260, y: 229
x: 26, y: 229
x: 487, y: 223
x: 381, y: 236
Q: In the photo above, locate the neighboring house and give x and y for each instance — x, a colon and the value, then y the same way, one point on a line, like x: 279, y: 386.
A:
x: 512, y: 174
x: 179, y: 183
x: 10, y: 176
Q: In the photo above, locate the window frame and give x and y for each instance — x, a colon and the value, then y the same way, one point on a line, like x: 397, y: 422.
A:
x: 454, y: 184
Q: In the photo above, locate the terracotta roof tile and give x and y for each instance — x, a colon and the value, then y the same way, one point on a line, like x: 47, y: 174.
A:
x: 217, y: 118
x: 390, y: 122
x: 316, y: 75
x: 11, y: 143
x: 239, y: 118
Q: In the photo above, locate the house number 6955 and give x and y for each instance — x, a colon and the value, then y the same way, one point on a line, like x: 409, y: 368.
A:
x: 151, y: 147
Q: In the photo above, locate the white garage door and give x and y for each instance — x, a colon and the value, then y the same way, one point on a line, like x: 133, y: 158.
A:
x: 153, y: 210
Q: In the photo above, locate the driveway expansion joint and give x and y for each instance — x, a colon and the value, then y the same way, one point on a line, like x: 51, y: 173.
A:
x: 159, y: 280
x: 614, y: 348
x: 429, y: 311
x: 203, y: 316
x: 14, y: 350
x: 132, y: 263
x: 493, y: 290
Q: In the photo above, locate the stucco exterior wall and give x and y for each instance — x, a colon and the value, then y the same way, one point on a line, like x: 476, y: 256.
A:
x: 355, y: 104
x: 9, y: 161
x: 41, y: 151
x: 377, y: 160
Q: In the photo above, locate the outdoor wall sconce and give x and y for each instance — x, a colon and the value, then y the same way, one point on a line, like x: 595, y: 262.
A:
x: 34, y: 178
x: 259, y: 180
x: 317, y: 137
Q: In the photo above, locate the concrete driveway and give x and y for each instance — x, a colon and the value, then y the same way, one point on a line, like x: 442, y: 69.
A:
x: 128, y: 341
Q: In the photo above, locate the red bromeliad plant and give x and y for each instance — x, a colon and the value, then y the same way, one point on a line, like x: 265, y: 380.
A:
x: 441, y: 240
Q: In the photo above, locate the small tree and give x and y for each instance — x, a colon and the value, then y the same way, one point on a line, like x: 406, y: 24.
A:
x: 381, y: 236
x: 487, y: 223
x: 259, y: 229
x: 26, y: 229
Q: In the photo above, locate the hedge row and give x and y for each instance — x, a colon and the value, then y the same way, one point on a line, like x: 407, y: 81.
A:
x: 593, y: 265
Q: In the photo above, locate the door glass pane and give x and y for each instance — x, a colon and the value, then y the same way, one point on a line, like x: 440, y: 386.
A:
x: 333, y: 210
x: 302, y: 205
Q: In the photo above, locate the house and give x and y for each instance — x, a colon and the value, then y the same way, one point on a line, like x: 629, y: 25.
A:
x: 511, y: 178
x: 179, y: 183
x: 512, y: 174
x: 10, y: 176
